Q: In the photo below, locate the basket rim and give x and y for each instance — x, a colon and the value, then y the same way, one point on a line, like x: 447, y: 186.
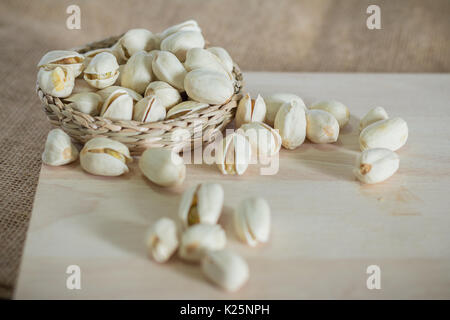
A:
x: 190, y: 116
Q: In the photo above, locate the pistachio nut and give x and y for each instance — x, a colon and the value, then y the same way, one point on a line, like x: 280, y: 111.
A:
x: 390, y: 134
x: 199, y: 238
x: 224, y: 57
x: 167, y: 95
x: 87, y: 102
x: 189, y: 25
x: 137, y: 73
x: 226, y: 269
x: 208, y: 86
x: 290, y: 122
x: 59, y: 150
x: 336, y: 108
x: 105, y: 157
x: 118, y: 106
x: 234, y: 155
x: 57, y: 82
x: 149, y: 109
x: 102, y: 71
x: 163, y: 167
x: 252, y: 221
x: 376, y: 165
x: 91, y: 54
x: 321, y: 127
x: 136, y: 40
x: 162, y: 240
x: 374, y: 115
x: 65, y: 59
x: 274, y: 103
x: 201, y: 204
x: 250, y: 110
x: 180, y: 42
x: 185, y: 108
x: 168, y: 68
x: 265, y: 141
x: 105, y: 93
x: 198, y: 58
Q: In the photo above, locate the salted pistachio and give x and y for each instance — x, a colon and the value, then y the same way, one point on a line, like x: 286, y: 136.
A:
x: 376, y: 165
x: 168, y: 68
x: 274, y: 103
x: 189, y: 25
x: 336, y: 108
x: 167, y: 95
x: 252, y: 221
x: 234, y: 155
x: 226, y: 269
x: 290, y: 122
x: 92, y: 53
x: 65, y: 59
x: 102, y: 71
x: 180, y: 42
x: 199, y: 238
x: 201, y: 204
x: 163, y: 167
x: 184, y: 108
x: 224, y: 57
x: 250, y: 110
x: 137, y: 72
x: 265, y: 141
x: 199, y: 58
x: 390, y: 134
x: 59, y: 150
x: 162, y: 240
x: 57, y: 82
x: 374, y: 115
x: 118, y: 106
x: 105, y: 93
x: 321, y: 127
x: 105, y: 157
x: 149, y: 109
x: 87, y: 102
x: 208, y: 86
x: 136, y: 40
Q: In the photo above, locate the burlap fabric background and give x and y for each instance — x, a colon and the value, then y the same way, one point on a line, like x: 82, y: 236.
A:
x: 261, y: 35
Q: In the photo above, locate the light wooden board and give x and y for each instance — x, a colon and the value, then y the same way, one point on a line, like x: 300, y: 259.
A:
x: 327, y: 228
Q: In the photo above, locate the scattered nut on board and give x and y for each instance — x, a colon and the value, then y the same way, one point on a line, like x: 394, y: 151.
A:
x: 336, y: 108
x: 163, y: 167
x: 201, y: 204
x: 321, y: 127
x: 376, y: 165
x: 226, y: 269
x: 374, y: 115
x: 199, y: 238
x: 235, y: 154
x: 252, y: 221
x: 59, y: 150
x: 274, y: 103
x: 390, y: 133
x: 265, y: 141
x: 105, y: 157
x: 162, y: 239
x: 291, y: 123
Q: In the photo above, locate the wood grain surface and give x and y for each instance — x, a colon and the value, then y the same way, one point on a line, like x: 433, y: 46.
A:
x: 327, y: 228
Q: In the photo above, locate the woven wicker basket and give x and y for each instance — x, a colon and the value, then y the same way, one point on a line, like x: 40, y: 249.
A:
x: 136, y: 135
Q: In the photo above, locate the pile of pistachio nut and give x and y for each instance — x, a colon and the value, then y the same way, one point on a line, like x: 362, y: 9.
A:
x: 144, y: 76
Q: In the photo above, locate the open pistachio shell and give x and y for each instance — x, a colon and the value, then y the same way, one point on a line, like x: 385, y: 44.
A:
x: 189, y: 25
x: 201, y: 204
x: 136, y: 40
x: 167, y: 95
x: 59, y: 149
x: 58, y: 82
x: 198, y: 58
x: 118, y: 106
x: 102, y: 71
x: 180, y: 42
x: 290, y: 122
x: 149, y: 109
x: 274, y: 103
x: 185, y: 108
x: 235, y: 154
x: 208, y: 86
x: 64, y: 59
x: 265, y: 141
x: 199, y: 238
x: 105, y: 157
x: 106, y: 92
x: 250, y: 110
x: 162, y: 240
